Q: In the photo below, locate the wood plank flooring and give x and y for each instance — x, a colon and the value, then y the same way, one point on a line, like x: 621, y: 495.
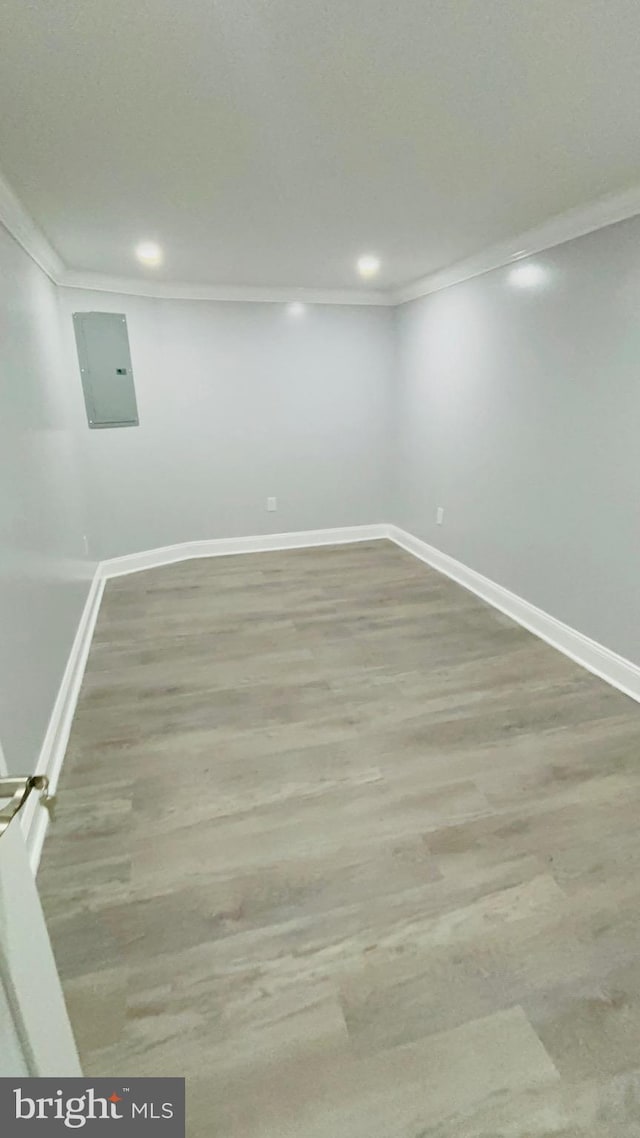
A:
x: 352, y: 852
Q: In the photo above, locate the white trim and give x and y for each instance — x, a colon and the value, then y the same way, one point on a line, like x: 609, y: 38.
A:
x: 555, y: 231
x: 35, y: 817
x: 19, y: 223
x: 227, y: 546
x: 22, y: 227
x: 616, y: 670
x: 239, y: 294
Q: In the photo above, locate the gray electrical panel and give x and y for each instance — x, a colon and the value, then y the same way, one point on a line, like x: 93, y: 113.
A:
x: 105, y: 369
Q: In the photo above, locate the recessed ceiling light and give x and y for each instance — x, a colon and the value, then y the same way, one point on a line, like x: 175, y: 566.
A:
x: 149, y: 253
x: 368, y: 265
x: 296, y: 308
x: 528, y: 276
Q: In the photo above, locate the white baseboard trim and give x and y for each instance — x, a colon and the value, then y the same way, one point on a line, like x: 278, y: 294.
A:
x: 226, y: 546
x: 616, y: 670
x: 35, y: 817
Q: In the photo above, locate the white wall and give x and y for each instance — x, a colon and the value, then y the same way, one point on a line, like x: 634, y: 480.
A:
x: 238, y: 402
x: 44, y: 574
x: 518, y: 411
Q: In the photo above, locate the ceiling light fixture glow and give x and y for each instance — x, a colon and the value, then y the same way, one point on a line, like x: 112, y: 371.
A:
x: 528, y: 276
x: 296, y: 308
x: 368, y: 265
x: 148, y: 253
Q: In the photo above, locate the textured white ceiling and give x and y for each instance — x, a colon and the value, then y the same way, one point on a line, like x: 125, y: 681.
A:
x: 269, y: 142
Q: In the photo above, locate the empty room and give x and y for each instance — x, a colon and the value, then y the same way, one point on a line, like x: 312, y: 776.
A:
x: 320, y: 568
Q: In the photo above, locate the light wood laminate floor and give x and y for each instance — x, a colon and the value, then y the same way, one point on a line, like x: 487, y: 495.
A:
x: 352, y: 852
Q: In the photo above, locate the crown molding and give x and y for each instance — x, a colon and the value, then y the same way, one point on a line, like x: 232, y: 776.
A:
x: 24, y: 230
x: 19, y: 223
x: 165, y: 290
x: 556, y: 231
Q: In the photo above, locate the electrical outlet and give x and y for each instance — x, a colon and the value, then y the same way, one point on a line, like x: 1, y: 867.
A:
x: 272, y: 504
x: 439, y: 515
